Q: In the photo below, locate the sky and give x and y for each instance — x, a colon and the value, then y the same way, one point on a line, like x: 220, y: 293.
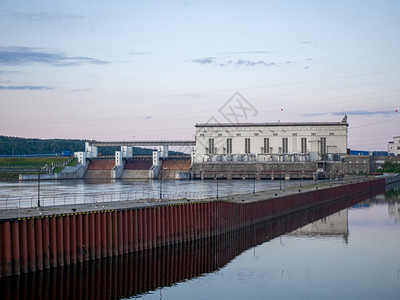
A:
x: 151, y: 70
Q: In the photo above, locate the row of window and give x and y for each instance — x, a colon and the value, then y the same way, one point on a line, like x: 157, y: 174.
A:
x: 274, y: 134
x: 266, y: 148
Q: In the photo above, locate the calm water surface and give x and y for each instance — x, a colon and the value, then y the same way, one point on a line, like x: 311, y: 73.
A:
x: 359, y: 260
x: 341, y: 251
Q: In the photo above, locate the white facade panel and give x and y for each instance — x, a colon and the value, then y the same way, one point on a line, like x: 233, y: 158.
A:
x: 394, y: 146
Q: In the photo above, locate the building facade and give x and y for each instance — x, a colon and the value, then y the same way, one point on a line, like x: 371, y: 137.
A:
x: 270, y: 142
x: 394, y: 146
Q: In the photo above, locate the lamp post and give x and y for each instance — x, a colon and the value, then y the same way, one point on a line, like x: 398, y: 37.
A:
x: 38, y: 192
x: 161, y: 180
x: 217, y: 186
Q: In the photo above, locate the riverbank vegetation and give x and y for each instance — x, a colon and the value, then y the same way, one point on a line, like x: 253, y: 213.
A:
x: 389, y: 167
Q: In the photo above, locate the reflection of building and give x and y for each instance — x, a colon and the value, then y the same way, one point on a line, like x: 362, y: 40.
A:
x: 394, y: 211
x: 291, y: 142
x: 394, y: 146
x: 333, y: 225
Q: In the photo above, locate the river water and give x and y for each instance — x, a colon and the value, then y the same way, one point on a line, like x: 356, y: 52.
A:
x: 25, y: 194
x: 345, y: 250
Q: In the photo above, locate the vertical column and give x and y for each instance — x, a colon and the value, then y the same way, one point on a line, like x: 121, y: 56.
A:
x: 53, y: 242
x: 171, y: 235
x: 185, y: 232
x: 104, y: 232
x: 154, y: 226
x: 139, y: 228
x: 67, y: 241
x: 86, y: 238
x: 144, y: 226
x: 7, y: 254
x: 31, y: 245
x: 73, y: 238
x: 120, y: 228
x: 98, y: 235
x: 39, y: 244
x: 23, y: 246
x: 92, y: 236
x: 46, y: 243
x: 163, y: 225
x: 109, y: 234
x: 135, y: 230
x: 125, y: 228
x: 159, y: 226
x: 60, y: 241
x: 115, y: 232
x: 149, y: 233
x: 11, y: 243
x: 79, y: 237
x: 130, y: 231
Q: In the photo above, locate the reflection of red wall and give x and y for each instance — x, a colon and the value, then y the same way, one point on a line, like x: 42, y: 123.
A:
x: 52, y: 241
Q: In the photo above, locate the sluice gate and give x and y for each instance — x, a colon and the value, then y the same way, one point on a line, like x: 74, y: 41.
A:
x: 51, y: 240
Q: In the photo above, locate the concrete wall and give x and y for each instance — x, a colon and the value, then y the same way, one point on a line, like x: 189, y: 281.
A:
x: 253, y: 170
x: 135, y: 174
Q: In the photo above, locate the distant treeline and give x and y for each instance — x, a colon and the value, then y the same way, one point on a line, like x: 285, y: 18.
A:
x: 18, y: 146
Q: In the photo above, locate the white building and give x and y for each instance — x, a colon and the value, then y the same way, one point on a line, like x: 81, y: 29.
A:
x: 394, y: 147
x: 242, y: 142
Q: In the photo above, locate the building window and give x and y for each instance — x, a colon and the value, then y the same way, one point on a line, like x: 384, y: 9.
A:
x: 219, y: 134
x: 201, y: 134
x: 331, y: 133
x: 275, y: 134
x: 266, y: 145
x: 256, y: 134
x: 284, y: 145
x: 238, y: 134
x: 247, y: 145
x: 313, y: 133
x: 210, y: 146
x: 323, y: 145
x: 294, y: 134
x: 303, y: 145
x: 229, y: 146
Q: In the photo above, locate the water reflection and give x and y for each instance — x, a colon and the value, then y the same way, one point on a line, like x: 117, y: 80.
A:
x: 139, y: 273
x: 335, y: 225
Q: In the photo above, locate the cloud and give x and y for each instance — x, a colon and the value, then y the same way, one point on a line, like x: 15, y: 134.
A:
x: 40, y: 15
x: 353, y: 113
x: 140, y: 53
x: 243, y: 62
x: 237, y: 63
x: 365, y: 112
x: 204, y: 61
x: 24, y: 87
x: 28, y: 55
x: 249, y: 52
x: 148, y: 117
x: 80, y: 90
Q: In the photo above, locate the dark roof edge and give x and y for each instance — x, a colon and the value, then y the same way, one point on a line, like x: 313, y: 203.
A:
x: 270, y: 124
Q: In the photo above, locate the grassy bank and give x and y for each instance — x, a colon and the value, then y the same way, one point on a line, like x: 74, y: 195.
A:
x: 10, y: 168
x: 30, y: 161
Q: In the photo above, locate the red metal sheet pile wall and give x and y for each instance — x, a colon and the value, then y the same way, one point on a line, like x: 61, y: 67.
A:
x: 33, y: 244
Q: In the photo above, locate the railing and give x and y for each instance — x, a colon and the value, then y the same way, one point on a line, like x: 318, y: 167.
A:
x: 143, y: 196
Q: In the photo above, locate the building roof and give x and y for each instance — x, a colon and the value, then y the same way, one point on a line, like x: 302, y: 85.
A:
x: 271, y: 124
